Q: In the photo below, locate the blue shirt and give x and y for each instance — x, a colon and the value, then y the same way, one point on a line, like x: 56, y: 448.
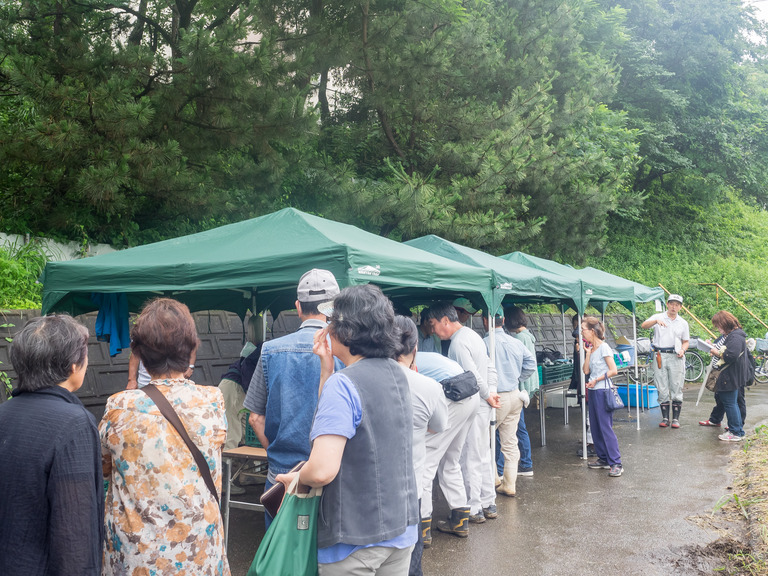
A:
x: 437, y: 366
x: 339, y: 412
x: 514, y: 362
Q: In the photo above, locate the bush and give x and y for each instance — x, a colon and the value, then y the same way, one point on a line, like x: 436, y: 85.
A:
x: 20, y: 267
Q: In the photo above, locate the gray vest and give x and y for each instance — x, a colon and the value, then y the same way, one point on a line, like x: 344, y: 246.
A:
x: 373, y: 497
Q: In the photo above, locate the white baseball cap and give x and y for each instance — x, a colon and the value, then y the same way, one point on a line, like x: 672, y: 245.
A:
x: 675, y: 298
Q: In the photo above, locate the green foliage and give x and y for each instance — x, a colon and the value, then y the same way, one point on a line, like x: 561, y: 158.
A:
x: 20, y: 267
x: 128, y: 120
x: 683, y: 242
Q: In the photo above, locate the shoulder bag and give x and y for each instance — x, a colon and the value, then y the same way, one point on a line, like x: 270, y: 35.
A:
x: 173, y: 418
x: 461, y: 386
x: 613, y: 401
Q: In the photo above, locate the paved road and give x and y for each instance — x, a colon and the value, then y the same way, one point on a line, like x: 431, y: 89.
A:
x: 569, y: 520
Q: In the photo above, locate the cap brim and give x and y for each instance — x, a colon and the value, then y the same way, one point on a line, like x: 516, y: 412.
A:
x: 326, y: 308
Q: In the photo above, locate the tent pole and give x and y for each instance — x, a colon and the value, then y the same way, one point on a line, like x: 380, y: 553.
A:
x: 638, y: 384
x: 565, y: 344
x: 492, y: 354
x: 583, y: 395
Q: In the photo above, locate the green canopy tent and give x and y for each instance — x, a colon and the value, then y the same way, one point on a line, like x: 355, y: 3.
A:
x: 256, y: 264
x: 596, y: 291
x: 511, y: 281
x: 601, y: 288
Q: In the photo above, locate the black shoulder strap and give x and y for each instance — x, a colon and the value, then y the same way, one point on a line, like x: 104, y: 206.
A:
x: 170, y: 414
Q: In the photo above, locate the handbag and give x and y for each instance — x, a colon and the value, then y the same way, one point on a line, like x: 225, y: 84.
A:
x: 461, y: 386
x: 711, y: 382
x: 170, y: 414
x: 613, y: 401
x: 289, y: 548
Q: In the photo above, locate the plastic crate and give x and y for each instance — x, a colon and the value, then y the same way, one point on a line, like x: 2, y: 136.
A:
x: 556, y: 372
x: 649, y: 396
x: 250, y: 438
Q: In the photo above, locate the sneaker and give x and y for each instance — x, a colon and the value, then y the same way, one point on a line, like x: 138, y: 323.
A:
x: 478, y: 518
x: 599, y: 464
x: 664, y: 423
x: 616, y: 471
x: 236, y: 490
x: 675, y: 423
x: 491, y: 512
x: 709, y: 423
x: 590, y: 451
x: 525, y: 471
x: 728, y: 437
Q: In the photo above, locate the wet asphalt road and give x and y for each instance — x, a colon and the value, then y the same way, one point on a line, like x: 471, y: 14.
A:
x: 570, y: 520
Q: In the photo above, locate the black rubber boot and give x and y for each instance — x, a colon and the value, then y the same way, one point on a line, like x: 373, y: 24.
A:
x: 664, y: 415
x: 457, y: 523
x: 426, y: 532
x: 676, y: 407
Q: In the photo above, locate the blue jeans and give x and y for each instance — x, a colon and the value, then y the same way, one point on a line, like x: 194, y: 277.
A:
x: 523, y: 444
x: 267, y: 518
x: 730, y: 403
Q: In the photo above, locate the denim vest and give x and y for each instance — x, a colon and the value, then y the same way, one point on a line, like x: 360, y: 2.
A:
x: 373, y: 497
x: 292, y: 375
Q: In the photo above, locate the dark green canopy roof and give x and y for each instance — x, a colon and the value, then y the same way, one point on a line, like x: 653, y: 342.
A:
x: 598, y: 288
x: 516, y: 282
x: 259, y: 260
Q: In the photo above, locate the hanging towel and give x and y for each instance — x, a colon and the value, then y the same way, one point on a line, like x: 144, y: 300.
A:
x: 112, y: 322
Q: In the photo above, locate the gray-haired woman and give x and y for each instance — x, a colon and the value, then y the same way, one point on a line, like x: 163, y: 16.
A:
x: 52, y: 504
x: 362, y: 442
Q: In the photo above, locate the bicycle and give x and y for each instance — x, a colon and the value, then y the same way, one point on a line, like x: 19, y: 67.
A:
x: 694, y: 366
x: 761, y: 360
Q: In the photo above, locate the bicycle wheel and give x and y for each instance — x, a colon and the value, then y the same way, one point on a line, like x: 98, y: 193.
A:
x: 761, y: 372
x: 694, y: 366
x: 644, y: 360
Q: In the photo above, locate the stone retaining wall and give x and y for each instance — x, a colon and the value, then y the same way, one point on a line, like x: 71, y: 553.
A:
x: 221, y: 339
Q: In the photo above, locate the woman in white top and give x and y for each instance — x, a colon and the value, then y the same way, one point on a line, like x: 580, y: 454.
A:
x: 599, y: 364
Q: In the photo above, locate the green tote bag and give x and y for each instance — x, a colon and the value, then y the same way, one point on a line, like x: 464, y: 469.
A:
x: 289, y: 547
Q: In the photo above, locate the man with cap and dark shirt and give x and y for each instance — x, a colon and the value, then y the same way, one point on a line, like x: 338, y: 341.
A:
x: 282, y: 395
x: 670, y: 341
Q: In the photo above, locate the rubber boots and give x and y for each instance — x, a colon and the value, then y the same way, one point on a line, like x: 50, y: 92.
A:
x: 664, y: 415
x: 426, y: 532
x: 676, y: 407
x: 457, y: 523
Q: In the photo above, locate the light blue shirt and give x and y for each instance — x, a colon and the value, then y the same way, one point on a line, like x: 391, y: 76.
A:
x: 514, y: 362
x: 437, y: 366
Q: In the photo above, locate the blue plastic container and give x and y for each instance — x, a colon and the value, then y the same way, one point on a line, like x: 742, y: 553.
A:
x: 649, y: 396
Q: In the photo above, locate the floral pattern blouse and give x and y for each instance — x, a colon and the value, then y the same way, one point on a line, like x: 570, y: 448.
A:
x: 160, y: 516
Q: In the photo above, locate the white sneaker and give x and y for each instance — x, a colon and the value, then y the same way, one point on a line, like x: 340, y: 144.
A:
x: 236, y: 490
x: 728, y: 437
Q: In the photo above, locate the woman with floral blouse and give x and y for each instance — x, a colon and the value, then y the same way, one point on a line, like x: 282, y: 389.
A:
x: 161, y: 518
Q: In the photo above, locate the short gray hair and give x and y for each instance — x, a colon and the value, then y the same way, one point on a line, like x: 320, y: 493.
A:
x: 45, y: 350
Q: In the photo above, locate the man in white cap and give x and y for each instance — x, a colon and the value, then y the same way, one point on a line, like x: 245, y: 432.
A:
x: 282, y: 396
x: 670, y: 341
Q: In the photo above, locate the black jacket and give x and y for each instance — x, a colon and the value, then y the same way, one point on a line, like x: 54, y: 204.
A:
x: 734, y: 375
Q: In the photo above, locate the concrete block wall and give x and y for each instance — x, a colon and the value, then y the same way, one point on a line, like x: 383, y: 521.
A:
x: 221, y: 339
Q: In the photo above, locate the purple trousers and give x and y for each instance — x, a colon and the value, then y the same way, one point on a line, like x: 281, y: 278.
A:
x: 601, y: 426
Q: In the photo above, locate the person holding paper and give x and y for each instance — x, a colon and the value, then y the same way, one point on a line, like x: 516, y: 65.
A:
x: 670, y: 341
